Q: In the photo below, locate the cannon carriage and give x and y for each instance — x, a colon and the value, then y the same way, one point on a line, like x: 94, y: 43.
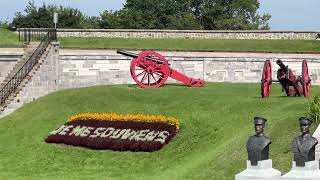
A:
x: 292, y: 85
x: 150, y: 70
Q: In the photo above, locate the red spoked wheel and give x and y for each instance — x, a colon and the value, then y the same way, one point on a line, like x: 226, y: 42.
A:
x: 149, y: 69
x: 306, y: 80
x: 266, y: 79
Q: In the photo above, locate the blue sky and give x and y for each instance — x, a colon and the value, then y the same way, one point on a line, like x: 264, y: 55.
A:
x: 303, y: 15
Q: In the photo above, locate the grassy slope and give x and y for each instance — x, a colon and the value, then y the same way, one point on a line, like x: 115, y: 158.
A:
x: 8, y: 38
x: 287, y: 46
x: 215, y: 123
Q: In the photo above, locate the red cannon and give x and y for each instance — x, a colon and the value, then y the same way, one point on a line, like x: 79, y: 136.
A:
x: 292, y: 85
x: 150, y: 70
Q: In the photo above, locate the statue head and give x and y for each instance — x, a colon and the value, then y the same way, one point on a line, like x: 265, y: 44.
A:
x: 259, y: 124
x: 305, y: 124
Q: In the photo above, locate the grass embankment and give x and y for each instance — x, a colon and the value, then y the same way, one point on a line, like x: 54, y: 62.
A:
x: 215, y: 123
x: 11, y: 39
x: 223, y: 45
x: 8, y: 38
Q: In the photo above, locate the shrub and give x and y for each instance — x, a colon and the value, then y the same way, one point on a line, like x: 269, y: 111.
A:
x: 314, y: 109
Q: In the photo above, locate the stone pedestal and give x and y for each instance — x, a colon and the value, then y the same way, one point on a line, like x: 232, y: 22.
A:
x: 309, y: 172
x: 316, y: 135
x: 263, y: 171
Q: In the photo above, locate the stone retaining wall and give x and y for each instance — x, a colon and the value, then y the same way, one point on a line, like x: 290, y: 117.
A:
x: 80, y: 68
x: 8, y: 58
x: 42, y: 80
x: 201, y: 34
x: 5, y: 67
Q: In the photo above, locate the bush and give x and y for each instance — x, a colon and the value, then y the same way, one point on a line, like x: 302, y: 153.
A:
x: 314, y: 109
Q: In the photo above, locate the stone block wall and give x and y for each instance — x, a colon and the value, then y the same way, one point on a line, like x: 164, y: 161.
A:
x: 200, y: 34
x: 8, y: 58
x: 90, y: 70
x: 97, y: 67
x: 6, y: 66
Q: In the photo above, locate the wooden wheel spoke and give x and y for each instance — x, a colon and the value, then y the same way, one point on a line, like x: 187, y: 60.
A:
x: 159, y: 65
x: 144, y: 77
x: 149, y: 79
x: 143, y: 66
x: 160, y: 71
x: 159, y: 74
x: 143, y: 72
x: 139, y: 69
x: 153, y: 78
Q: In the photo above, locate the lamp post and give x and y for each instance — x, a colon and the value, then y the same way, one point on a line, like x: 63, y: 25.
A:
x: 55, y: 20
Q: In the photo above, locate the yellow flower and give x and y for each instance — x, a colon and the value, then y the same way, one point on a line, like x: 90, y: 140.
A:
x: 125, y: 117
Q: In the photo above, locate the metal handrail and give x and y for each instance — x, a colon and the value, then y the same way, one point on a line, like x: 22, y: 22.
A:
x: 18, y: 77
x: 32, y: 34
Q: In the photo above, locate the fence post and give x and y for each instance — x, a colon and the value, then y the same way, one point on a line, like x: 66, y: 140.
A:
x: 19, y: 34
x: 24, y: 34
x: 29, y: 35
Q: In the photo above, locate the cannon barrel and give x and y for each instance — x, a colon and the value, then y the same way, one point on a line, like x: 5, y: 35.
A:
x: 133, y: 55
x: 126, y: 53
x: 282, y: 66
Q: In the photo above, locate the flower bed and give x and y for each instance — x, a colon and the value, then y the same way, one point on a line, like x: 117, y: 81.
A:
x: 116, y: 132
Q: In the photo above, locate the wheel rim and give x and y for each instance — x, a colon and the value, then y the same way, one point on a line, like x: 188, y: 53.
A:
x: 147, y: 73
x: 305, y: 79
x: 266, y: 79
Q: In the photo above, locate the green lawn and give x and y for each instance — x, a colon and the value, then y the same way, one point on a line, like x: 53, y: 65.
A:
x: 215, y: 123
x: 8, y: 38
x: 279, y: 46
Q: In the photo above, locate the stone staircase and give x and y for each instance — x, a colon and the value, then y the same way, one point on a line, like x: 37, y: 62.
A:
x: 27, y: 53
x: 7, y: 63
x: 19, y: 97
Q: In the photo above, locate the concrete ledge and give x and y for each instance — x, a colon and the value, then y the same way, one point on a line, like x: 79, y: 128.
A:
x: 11, y: 51
x: 66, y: 52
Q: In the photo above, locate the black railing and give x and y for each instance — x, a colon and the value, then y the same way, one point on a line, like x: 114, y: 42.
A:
x: 18, y: 77
x: 33, y: 34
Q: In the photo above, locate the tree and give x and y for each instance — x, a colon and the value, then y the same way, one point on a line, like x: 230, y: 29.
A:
x: 230, y: 14
x: 152, y: 14
x: 42, y: 17
x: 187, y: 14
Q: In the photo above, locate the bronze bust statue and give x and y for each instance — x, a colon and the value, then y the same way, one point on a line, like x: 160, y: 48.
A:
x: 258, y: 145
x: 304, y: 145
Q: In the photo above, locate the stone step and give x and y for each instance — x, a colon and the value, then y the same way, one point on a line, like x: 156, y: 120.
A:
x: 15, y: 70
x: 9, y: 58
x: 14, y: 105
x: 21, y: 62
x: 17, y: 98
x: 4, y: 104
x: 8, y: 111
